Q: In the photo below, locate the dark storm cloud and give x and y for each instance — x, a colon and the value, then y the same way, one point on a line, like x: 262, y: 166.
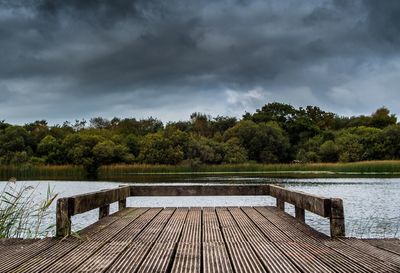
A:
x: 70, y: 59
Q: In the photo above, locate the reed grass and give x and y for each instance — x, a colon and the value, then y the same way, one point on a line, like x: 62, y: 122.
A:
x: 112, y: 172
x: 21, y: 214
x: 42, y: 172
x: 364, y: 167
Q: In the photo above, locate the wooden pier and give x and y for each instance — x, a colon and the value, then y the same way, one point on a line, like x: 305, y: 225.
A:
x: 234, y: 239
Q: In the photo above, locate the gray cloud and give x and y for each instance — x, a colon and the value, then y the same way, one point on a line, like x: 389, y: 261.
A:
x: 71, y: 59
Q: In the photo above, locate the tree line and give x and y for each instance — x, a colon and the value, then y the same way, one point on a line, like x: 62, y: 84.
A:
x: 275, y: 133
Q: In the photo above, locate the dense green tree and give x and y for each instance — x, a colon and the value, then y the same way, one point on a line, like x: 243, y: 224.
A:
x: 391, y: 142
x: 222, y: 123
x: 156, y: 148
x: 206, y: 150
x: 265, y: 142
x: 329, y: 151
x: 349, y: 146
x: 234, y: 151
x: 50, y: 149
x: 132, y: 142
x: 201, y: 124
x: 276, y: 132
x: 382, y: 118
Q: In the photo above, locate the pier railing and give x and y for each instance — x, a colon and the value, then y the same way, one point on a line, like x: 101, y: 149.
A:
x: 331, y: 208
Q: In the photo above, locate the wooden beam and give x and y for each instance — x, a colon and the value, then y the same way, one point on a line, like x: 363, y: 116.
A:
x: 313, y: 203
x: 122, y: 204
x: 63, y: 217
x: 198, y: 190
x: 337, y: 218
x: 67, y: 207
x: 280, y: 204
x: 89, y: 201
x: 104, y: 211
x: 300, y: 214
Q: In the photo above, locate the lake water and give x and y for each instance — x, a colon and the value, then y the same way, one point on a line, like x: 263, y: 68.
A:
x: 372, y: 207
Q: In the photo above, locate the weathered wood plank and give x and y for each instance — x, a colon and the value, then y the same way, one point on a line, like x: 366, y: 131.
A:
x: 333, y: 259
x: 173, y: 229
x: 13, y: 259
x: 270, y: 256
x: 300, y: 214
x: 392, y: 245
x: 135, y: 253
x: 241, y: 254
x: 299, y: 225
x: 273, y: 233
x: 247, y: 227
x: 198, y: 190
x: 116, y: 227
x: 9, y: 245
x: 370, y: 262
x: 291, y: 231
x: 88, y: 201
x: 211, y: 228
x: 89, y: 231
x: 313, y: 203
x: 381, y: 254
x: 188, y: 253
x: 215, y: 254
x: 307, y: 262
x: 215, y: 258
x: 103, y: 258
x: 161, y: 254
x: 73, y: 259
x: 66, y: 260
x: 38, y: 263
x: 69, y: 206
x: 337, y: 223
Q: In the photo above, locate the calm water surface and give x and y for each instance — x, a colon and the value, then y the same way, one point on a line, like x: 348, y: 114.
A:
x: 372, y: 207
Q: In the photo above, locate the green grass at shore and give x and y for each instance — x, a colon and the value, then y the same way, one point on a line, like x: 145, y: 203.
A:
x: 390, y: 167
x: 42, y: 172
x: 122, y: 172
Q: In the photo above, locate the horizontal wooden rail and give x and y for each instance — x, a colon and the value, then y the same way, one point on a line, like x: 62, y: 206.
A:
x: 301, y: 200
x: 69, y: 206
x: 331, y: 208
x: 199, y: 190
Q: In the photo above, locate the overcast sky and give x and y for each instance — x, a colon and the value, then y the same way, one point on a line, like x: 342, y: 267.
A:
x: 72, y: 59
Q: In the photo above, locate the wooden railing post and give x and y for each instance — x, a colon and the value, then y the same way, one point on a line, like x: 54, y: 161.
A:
x: 280, y: 204
x: 337, y: 218
x: 300, y: 214
x: 63, y: 218
x: 122, y: 204
x: 104, y: 211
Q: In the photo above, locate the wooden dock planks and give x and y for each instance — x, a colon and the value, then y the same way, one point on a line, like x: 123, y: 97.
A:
x: 89, y: 248
x: 160, y: 256
x: 243, y: 258
x: 134, y: 254
x: 197, y: 240
x: 188, y: 251
x: 215, y: 254
x: 270, y: 255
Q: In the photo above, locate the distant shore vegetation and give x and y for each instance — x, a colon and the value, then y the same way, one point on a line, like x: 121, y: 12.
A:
x: 274, y: 134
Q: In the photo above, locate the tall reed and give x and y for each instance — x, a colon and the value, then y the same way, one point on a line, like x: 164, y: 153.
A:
x: 354, y: 167
x: 21, y: 215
